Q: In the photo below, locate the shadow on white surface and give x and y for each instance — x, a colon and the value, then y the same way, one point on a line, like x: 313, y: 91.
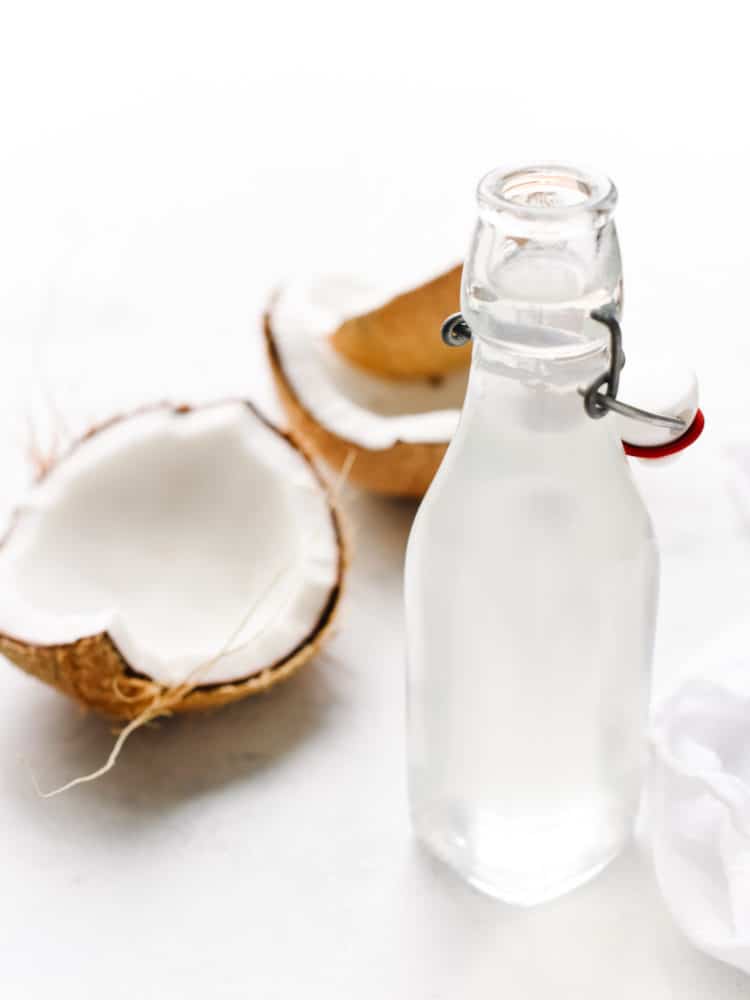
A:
x: 266, y: 846
x: 172, y: 759
x: 612, y: 938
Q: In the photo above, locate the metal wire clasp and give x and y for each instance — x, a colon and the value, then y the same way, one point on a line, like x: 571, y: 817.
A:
x: 455, y: 331
x: 598, y: 403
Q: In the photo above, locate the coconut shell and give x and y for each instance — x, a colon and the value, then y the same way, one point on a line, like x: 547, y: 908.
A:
x: 94, y: 672
x: 401, y: 339
x: 405, y: 469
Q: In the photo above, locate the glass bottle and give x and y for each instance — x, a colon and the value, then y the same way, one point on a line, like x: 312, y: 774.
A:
x: 531, y: 570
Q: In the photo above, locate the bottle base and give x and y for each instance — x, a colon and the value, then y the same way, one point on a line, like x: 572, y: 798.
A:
x: 521, y: 885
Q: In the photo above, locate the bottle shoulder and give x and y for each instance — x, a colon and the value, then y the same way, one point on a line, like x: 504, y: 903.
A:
x: 564, y: 498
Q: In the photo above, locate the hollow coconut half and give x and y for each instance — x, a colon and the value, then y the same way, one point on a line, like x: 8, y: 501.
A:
x: 176, y: 550
x: 365, y: 379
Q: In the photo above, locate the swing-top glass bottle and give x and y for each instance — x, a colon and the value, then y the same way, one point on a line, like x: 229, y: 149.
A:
x: 531, y: 573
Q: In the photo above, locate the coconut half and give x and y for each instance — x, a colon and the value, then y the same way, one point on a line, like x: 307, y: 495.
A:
x: 172, y: 548
x: 363, y: 373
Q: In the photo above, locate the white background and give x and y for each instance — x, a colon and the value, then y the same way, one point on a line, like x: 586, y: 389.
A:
x: 162, y: 166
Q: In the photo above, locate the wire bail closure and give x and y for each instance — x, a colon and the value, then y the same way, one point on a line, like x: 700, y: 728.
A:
x: 597, y: 404
x: 456, y: 332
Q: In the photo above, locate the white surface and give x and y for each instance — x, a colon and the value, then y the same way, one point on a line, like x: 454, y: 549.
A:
x: 164, y: 166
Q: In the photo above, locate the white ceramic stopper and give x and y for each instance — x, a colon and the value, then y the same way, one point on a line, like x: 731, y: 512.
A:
x: 658, y: 386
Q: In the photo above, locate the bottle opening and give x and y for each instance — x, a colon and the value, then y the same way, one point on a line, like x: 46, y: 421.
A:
x: 547, y: 191
x: 544, y: 256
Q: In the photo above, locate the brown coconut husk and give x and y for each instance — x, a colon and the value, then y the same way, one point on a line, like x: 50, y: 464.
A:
x: 94, y: 672
x: 401, y: 338
x: 405, y: 469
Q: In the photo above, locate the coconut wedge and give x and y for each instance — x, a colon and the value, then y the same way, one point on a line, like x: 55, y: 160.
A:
x: 399, y: 338
x: 175, y: 550
x: 365, y: 376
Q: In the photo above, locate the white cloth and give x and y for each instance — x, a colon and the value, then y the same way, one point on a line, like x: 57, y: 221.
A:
x: 699, y: 787
x: 699, y: 803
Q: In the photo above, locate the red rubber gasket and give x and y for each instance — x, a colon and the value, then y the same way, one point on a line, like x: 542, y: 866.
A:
x: 692, y: 434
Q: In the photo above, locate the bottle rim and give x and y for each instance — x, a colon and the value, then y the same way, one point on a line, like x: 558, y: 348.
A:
x: 543, y: 192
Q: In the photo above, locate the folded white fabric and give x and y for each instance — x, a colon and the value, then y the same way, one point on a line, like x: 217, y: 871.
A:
x: 699, y: 809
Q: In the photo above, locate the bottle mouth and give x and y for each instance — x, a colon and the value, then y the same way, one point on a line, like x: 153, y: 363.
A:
x: 548, y: 192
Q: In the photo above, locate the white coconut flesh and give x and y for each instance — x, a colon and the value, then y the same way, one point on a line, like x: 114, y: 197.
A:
x: 182, y: 536
x: 370, y: 411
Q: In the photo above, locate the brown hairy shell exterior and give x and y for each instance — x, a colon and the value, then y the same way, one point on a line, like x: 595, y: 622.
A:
x: 94, y: 672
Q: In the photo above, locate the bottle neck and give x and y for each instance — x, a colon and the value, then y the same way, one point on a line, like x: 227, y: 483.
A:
x: 533, y: 401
